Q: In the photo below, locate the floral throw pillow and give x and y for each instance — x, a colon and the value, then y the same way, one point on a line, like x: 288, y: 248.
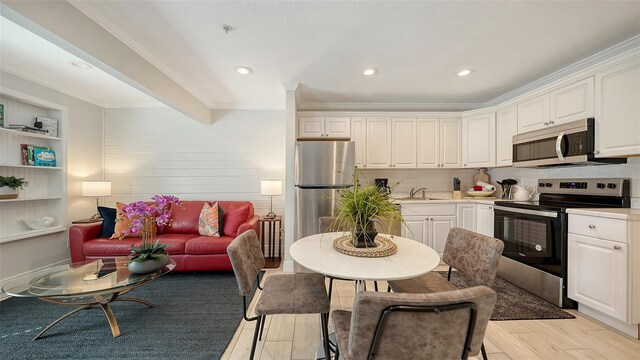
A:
x: 209, y: 222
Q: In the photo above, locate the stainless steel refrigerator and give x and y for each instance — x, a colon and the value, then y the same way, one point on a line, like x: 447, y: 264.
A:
x: 322, y: 168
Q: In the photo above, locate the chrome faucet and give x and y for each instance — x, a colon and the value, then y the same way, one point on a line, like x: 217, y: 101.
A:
x: 414, y: 191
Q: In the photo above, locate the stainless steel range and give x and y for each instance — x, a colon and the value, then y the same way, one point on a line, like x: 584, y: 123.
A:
x: 535, y: 232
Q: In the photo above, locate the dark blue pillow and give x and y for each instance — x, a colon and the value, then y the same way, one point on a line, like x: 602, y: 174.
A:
x: 108, y: 221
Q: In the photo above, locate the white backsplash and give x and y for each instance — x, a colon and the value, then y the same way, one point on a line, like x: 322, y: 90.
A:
x: 528, y: 176
x: 435, y: 180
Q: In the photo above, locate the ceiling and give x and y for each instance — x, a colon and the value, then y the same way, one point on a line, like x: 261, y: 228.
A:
x: 27, y: 55
x: 417, y: 46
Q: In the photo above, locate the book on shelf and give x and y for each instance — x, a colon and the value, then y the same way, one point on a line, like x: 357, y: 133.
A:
x: 30, y: 155
x: 1, y: 115
x: 28, y: 129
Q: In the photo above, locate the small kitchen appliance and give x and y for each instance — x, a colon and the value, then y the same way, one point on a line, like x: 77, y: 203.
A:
x: 535, y: 232
x: 383, y: 186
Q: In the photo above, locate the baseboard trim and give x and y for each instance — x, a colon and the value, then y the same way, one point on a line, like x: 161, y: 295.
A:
x: 4, y: 296
x: 287, y: 266
x: 629, y: 329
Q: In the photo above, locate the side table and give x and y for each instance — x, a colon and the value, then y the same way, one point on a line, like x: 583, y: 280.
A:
x: 269, y: 238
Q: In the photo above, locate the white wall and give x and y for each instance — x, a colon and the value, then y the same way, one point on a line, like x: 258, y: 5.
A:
x: 151, y: 151
x: 530, y: 176
x: 84, y: 161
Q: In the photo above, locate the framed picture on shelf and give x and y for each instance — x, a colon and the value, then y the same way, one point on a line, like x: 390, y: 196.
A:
x: 49, y: 124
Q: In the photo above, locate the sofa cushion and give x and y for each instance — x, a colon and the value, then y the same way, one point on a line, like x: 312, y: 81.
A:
x: 176, y: 241
x: 109, y: 247
x: 233, y: 219
x: 184, y: 219
x: 108, y: 221
x: 209, y: 222
x: 208, y: 245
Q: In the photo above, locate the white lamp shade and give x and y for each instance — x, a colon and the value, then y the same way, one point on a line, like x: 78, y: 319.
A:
x: 270, y: 187
x: 96, y: 188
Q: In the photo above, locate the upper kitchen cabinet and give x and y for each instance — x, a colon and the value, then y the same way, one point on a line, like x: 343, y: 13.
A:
x: 533, y: 114
x: 379, y: 143
x: 438, y: 143
x: 617, y: 110
x: 359, y: 137
x: 572, y: 102
x: 318, y: 127
x: 506, y: 127
x: 403, y: 142
x: 479, y: 141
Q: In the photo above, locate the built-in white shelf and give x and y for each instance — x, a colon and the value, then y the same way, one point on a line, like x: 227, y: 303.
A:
x: 33, y: 167
x: 32, y: 233
x: 28, y: 134
x: 32, y: 199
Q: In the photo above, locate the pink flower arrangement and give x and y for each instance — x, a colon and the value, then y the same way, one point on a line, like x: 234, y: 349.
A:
x: 143, y: 215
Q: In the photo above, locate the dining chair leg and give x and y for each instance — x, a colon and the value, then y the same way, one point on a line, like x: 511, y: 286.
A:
x: 484, y: 352
x: 375, y: 285
x: 264, y: 320
x: 324, y: 319
x: 255, y: 337
x: 330, y: 288
x: 388, y: 288
x: 337, y: 354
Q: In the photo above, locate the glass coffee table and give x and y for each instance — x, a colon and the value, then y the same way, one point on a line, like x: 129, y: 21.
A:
x: 85, y: 285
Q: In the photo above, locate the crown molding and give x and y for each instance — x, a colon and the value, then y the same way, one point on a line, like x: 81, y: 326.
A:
x: 85, y: 7
x: 310, y: 106
x: 585, y: 64
x: 53, y: 86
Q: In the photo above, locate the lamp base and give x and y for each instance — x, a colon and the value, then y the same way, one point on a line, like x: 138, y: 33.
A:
x: 96, y: 216
x: 270, y: 215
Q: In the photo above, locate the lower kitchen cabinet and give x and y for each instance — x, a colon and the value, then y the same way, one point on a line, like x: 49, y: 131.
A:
x: 467, y: 216
x: 484, y: 219
x: 603, y: 275
x: 429, y: 224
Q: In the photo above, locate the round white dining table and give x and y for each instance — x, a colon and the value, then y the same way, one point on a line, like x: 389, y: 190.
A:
x: 316, y: 253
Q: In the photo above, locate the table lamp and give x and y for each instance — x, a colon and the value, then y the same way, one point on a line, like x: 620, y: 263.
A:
x: 96, y: 189
x: 270, y: 188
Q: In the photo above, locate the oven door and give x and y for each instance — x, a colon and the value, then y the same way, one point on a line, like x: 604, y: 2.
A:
x: 532, y: 237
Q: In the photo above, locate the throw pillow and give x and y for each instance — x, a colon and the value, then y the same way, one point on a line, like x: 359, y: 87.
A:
x: 209, y: 221
x: 108, y: 221
x: 123, y: 223
x: 234, y: 218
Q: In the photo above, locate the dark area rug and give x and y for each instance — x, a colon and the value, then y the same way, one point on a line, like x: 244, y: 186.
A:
x: 195, y: 318
x: 514, y: 303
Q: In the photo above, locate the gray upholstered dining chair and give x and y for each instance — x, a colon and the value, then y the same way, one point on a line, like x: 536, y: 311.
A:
x: 474, y: 255
x: 444, y: 326
x: 299, y: 293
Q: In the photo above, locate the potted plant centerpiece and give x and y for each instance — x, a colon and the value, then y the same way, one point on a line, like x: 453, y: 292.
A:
x: 9, y: 186
x: 149, y: 256
x: 359, y: 208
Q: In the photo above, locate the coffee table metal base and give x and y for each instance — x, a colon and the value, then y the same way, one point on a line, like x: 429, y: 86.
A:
x: 102, y: 301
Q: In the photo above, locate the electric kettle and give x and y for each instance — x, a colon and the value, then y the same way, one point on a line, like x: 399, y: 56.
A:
x: 520, y: 193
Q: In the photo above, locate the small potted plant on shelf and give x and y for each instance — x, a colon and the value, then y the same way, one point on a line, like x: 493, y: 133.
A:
x: 149, y: 256
x: 9, y: 186
x: 359, y: 208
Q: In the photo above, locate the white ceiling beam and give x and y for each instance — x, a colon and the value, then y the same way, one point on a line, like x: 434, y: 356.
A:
x: 67, y: 27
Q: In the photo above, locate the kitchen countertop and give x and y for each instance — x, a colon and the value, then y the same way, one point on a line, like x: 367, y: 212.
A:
x: 442, y: 198
x: 612, y: 213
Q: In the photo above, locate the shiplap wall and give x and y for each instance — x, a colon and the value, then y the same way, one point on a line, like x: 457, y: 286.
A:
x: 151, y: 151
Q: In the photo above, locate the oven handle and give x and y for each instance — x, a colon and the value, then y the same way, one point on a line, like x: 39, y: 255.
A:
x: 559, y: 146
x: 528, y: 212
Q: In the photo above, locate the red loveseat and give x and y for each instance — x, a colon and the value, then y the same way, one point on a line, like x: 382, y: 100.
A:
x: 190, y: 251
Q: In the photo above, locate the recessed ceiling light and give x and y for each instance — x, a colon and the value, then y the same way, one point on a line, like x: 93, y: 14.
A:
x: 369, y: 72
x: 464, y: 72
x: 81, y: 64
x: 243, y: 70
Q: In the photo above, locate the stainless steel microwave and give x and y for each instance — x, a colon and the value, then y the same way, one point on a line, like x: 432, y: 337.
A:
x: 572, y: 143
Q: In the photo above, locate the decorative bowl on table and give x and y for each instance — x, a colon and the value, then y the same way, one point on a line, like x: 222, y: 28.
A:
x: 480, y: 193
x: 39, y: 224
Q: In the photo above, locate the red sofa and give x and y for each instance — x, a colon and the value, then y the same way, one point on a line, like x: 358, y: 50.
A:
x: 190, y: 251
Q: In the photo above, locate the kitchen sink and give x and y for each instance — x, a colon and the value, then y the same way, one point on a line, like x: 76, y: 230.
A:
x: 410, y: 198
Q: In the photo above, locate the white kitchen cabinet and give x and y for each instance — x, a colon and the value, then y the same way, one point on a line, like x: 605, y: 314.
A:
x: 429, y: 224
x: 479, y: 141
x: 379, y: 145
x: 598, y: 274
x: 485, y: 219
x: 312, y: 127
x: 603, y: 276
x: 438, y: 143
x: 534, y: 114
x: 359, y: 137
x: 467, y: 216
x: 403, y: 153
x: 572, y: 102
x: 617, y: 110
x: 506, y: 127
